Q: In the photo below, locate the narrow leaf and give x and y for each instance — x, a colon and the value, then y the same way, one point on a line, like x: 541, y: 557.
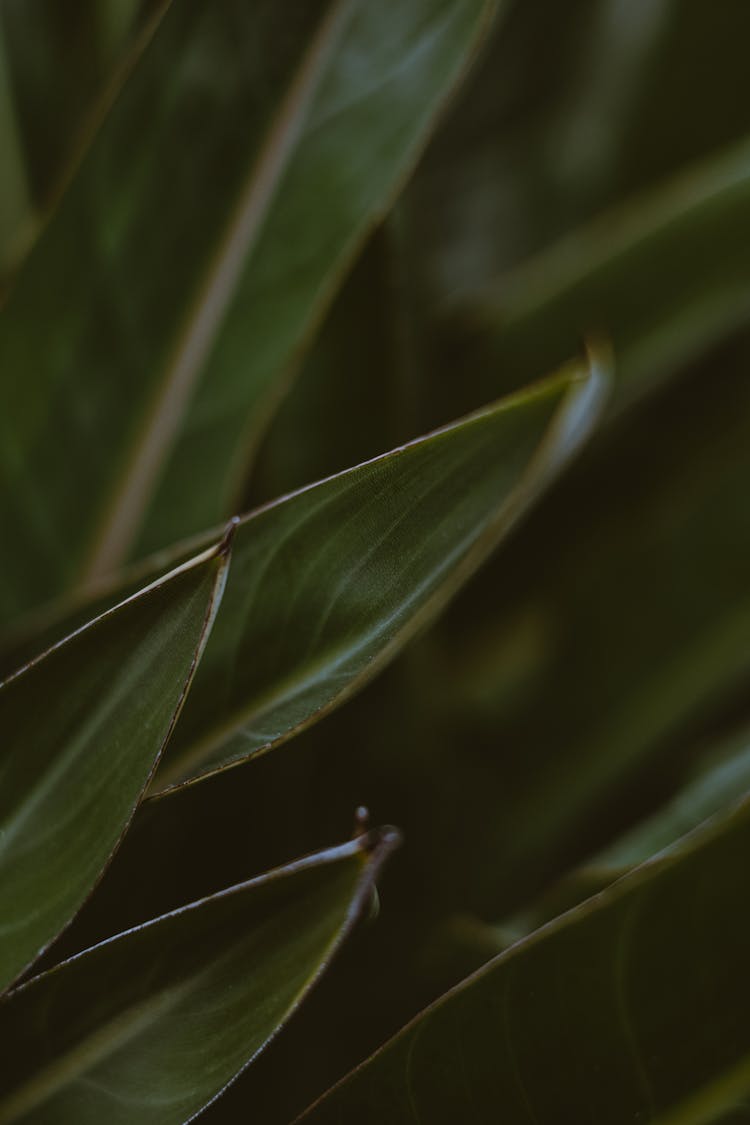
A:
x: 79, y: 52
x: 327, y: 584
x: 645, y: 603
x: 480, y: 474
x: 82, y: 728
x: 167, y: 340
x: 706, y: 792
x: 632, y: 1007
x: 153, y: 1024
x: 663, y: 275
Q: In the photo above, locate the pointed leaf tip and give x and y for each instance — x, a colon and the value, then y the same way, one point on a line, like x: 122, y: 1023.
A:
x: 184, y: 1003
x: 82, y: 729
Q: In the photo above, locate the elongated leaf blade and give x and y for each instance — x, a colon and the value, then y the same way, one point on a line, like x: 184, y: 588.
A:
x: 646, y: 604
x: 625, y: 274
x: 81, y: 729
x: 153, y: 1024
x: 174, y: 299
x: 79, y: 52
x: 394, y: 65
x: 480, y: 475
x: 632, y: 1007
x: 327, y: 584
x: 706, y: 792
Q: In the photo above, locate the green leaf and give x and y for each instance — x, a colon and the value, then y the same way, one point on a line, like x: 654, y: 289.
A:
x: 608, y: 109
x: 367, y: 330
x: 707, y: 791
x: 79, y: 52
x: 625, y: 274
x: 174, y: 299
x: 153, y: 1024
x: 391, y: 69
x: 82, y: 728
x: 392, y: 540
x: 632, y: 1007
x: 329, y: 583
x: 636, y: 637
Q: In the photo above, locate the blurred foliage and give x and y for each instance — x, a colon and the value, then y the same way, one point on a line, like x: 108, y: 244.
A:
x: 581, y: 704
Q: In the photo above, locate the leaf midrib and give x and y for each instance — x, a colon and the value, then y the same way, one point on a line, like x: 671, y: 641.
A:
x: 132, y: 493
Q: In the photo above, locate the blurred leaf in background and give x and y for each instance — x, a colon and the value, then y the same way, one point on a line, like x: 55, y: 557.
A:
x: 250, y: 253
x: 197, y: 244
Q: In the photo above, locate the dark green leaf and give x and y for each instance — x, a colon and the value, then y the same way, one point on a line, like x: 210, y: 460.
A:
x: 367, y: 331
x: 623, y: 605
x: 75, y: 51
x: 326, y: 585
x: 82, y: 728
x: 627, y: 275
x: 713, y: 786
x: 174, y: 299
x: 393, y: 539
x: 633, y: 1007
x: 152, y: 1025
x: 609, y: 108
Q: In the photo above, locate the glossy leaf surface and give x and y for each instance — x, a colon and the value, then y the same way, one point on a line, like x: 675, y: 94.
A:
x: 81, y: 729
x: 173, y: 299
x: 154, y: 1023
x: 327, y: 584
x: 631, y: 1007
x: 553, y: 729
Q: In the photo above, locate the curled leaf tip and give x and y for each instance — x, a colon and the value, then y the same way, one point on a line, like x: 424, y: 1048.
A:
x: 597, y: 348
x: 225, y: 545
x: 380, y: 842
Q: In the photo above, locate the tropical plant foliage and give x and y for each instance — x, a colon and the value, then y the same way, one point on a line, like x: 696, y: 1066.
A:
x: 374, y: 428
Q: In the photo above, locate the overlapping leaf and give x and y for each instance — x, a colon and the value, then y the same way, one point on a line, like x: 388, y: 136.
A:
x: 632, y: 1007
x: 81, y: 730
x: 573, y: 687
x: 174, y: 298
x: 329, y: 582
x: 326, y: 584
x: 637, y: 636
x: 153, y: 1024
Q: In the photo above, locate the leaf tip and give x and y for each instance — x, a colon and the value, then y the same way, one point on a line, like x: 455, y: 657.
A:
x: 599, y: 355
x: 378, y: 843
x: 225, y: 546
